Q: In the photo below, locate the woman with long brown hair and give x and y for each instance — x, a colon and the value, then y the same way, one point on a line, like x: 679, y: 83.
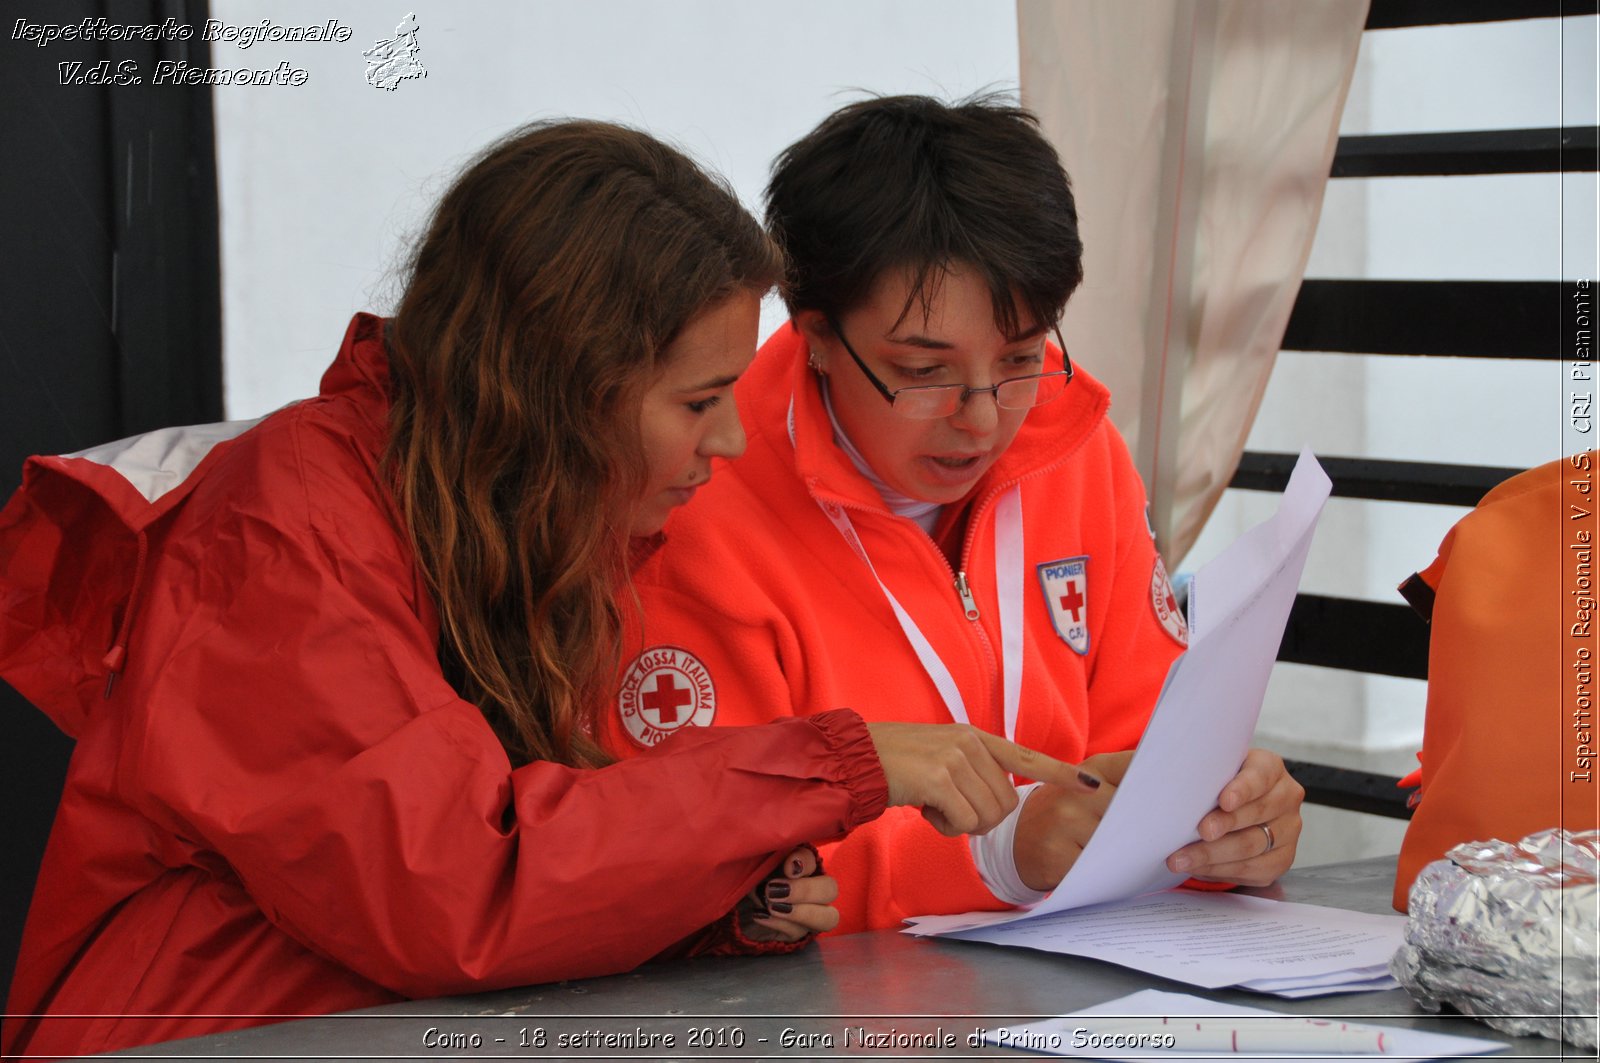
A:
x: 334, y: 675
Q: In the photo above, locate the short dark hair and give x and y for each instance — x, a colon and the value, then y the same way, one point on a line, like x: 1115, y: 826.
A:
x: 911, y: 182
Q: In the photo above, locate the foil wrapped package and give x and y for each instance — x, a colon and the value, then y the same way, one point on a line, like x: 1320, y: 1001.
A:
x: 1509, y: 933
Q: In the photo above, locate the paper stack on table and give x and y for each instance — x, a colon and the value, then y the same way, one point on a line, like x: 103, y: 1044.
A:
x: 1214, y: 940
x: 1142, y: 1025
x: 1195, y: 743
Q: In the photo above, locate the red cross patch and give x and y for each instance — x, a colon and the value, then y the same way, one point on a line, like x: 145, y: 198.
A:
x: 1066, y: 590
x: 664, y: 690
x: 1165, y: 604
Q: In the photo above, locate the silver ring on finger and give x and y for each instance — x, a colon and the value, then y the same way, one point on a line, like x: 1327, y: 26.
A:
x: 1272, y: 843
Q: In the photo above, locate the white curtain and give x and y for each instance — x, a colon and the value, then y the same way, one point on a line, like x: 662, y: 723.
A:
x: 1199, y: 135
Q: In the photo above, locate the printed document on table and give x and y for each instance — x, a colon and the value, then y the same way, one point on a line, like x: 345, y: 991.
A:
x: 1090, y: 1031
x: 1201, y: 728
x: 1209, y: 939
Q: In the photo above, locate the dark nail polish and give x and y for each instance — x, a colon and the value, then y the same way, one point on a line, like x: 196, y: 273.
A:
x: 1088, y: 780
x: 781, y: 907
x: 795, y: 868
x: 776, y: 890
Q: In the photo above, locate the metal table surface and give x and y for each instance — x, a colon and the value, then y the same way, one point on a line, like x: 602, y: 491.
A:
x: 910, y: 997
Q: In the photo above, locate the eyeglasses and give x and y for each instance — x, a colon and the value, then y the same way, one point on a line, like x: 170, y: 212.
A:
x: 926, y: 402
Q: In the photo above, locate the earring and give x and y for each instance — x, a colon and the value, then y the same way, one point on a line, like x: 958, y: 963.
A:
x: 815, y: 363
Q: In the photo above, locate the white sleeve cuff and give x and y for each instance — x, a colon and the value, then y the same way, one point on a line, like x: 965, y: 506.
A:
x: 996, y: 858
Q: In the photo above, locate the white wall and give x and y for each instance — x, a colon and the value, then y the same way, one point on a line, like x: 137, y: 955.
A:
x: 322, y: 184
x: 1531, y: 74
x: 1537, y: 73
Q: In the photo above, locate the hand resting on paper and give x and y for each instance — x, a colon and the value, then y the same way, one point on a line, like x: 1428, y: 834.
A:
x: 1054, y: 826
x: 792, y: 902
x: 1056, y: 822
x: 1250, y: 837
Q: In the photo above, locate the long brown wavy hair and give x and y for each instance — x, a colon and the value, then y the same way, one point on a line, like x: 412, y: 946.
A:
x: 537, y: 307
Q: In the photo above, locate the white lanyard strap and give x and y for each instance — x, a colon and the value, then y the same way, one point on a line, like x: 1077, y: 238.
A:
x: 1008, y: 587
x: 931, y: 662
x: 1008, y: 576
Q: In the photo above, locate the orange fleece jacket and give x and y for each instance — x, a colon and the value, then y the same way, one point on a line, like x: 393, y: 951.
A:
x: 757, y: 609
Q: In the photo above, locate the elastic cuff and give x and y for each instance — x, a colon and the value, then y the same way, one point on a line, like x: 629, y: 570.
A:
x: 740, y: 945
x: 859, y: 768
x: 730, y: 936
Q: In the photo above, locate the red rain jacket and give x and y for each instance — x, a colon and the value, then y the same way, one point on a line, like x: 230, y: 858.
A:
x: 757, y: 609
x: 282, y: 808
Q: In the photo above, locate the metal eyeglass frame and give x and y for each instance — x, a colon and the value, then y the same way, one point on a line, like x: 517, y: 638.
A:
x: 966, y: 392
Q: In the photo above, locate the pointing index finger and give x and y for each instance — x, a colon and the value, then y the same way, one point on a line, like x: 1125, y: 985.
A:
x: 1030, y: 763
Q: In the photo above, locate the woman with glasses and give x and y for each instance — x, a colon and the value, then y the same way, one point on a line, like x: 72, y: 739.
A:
x: 934, y: 513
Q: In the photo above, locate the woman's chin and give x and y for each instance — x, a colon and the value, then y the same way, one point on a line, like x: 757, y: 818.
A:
x: 645, y: 525
x: 941, y: 482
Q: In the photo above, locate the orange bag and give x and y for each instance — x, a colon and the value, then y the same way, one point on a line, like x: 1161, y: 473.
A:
x: 1508, y: 745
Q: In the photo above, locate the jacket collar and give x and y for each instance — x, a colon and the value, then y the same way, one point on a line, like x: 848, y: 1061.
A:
x: 361, y: 368
x: 780, y: 381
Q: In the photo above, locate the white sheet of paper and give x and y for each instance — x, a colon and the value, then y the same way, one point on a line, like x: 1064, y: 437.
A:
x: 1210, y: 939
x: 1056, y: 1036
x: 1267, y: 985
x: 935, y: 925
x: 1202, y: 725
x: 1375, y: 985
x: 1201, y: 728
